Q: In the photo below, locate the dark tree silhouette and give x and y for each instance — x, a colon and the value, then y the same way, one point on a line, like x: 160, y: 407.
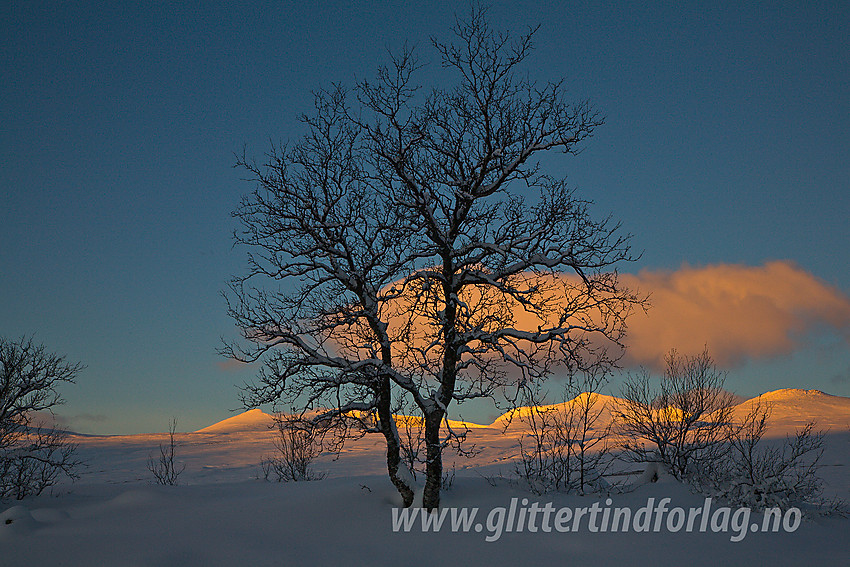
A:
x: 410, y: 248
x: 32, y: 457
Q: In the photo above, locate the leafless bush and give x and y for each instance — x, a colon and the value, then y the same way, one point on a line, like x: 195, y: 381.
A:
x: 32, y: 458
x: 683, y: 421
x: 765, y: 476
x: 448, y: 479
x: 163, y: 469
x: 565, y: 450
x: 411, y: 429
x: 35, y: 462
x: 296, y: 444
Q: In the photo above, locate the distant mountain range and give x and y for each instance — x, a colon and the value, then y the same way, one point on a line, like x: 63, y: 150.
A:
x: 790, y: 408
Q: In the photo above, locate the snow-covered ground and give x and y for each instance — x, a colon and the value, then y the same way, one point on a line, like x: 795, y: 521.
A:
x: 222, y: 514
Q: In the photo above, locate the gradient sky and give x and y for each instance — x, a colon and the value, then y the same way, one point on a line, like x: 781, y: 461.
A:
x: 726, y: 149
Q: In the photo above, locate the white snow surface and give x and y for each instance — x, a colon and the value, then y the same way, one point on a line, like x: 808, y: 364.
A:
x: 223, y: 514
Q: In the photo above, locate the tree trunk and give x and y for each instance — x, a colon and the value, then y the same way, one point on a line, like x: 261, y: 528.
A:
x: 442, y: 398
x: 434, y: 464
x: 390, y: 431
x: 393, y: 463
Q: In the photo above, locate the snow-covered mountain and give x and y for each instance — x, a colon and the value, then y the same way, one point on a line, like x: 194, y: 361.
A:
x: 789, y: 408
x: 251, y: 420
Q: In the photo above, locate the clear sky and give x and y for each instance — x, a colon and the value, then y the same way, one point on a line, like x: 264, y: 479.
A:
x: 726, y: 149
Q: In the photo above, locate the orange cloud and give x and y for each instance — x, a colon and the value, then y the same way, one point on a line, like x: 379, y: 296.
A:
x: 738, y: 311
x: 230, y: 365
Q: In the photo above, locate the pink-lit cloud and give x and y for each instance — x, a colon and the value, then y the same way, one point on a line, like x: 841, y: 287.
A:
x: 738, y: 312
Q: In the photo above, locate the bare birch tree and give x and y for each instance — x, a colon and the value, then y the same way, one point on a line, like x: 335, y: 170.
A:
x: 681, y: 420
x: 435, y: 259
x: 334, y: 247
x: 32, y: 457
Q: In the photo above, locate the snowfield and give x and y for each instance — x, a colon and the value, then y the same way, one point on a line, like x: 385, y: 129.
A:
x: 224, y: 514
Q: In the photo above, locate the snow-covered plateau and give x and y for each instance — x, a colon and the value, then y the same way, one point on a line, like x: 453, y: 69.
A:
x: 223, y: 513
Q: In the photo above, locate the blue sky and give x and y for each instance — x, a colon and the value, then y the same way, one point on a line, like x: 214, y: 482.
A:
x: 726, y: 141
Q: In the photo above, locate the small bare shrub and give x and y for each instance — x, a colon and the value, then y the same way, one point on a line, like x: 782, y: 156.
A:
x: 765, y: 476
x: 296, y: 444
x: 565, y: 449
x: 685, y: 423
x: 448, y: 478
x: 681, y: 421
x: 164, y: 469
